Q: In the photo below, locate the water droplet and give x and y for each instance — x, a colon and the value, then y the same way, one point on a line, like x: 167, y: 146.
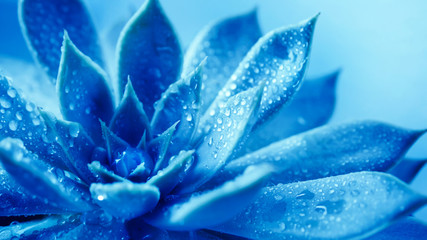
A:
x: 5, y: 102
x: 13, y: 125
x: 189, y: 117
x: 11, y: 92
x: 74, y: 130
x: 306, y: 194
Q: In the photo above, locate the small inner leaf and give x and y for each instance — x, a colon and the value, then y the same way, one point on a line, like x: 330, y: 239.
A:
x: 130, y: 121
x: 124, y: 199
x: 83, y: 92
x: 149, y: 53
x: 340, y: 207
x: 43, y: 23
x: 224, y: 43
x: 159, y: 146
x: 212, y: 207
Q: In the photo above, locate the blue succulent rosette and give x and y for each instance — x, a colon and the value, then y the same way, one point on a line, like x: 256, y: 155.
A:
x: 223, y: 142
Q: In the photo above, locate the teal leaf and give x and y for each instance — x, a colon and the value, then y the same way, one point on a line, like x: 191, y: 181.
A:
x: 159, y: 146
x: 167, y: 178
x: 407, y: 169
x: 84, y: 95
x: 21, y: 119
x: 15, y: 199
x: 331, y: 150
x: 232, y: 123
x: 125, y: 200
x: 407, y: 228
x: 130, y: 121
x: 74, y: 141
x: 43, y: 23
x: 53, y: 186
x: 212, y: 207
x: 224, y: 43
x: 311, y: 107
x: 103, y: 174
x: 278, y: 60
x: 48, y: 228
x: 339, y: 207
x: 149, y: 53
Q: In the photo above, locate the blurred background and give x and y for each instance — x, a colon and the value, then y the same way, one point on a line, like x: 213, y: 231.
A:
x: 381, y: 47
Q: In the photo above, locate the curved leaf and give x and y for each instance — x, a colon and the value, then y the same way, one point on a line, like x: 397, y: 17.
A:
x: 311, y: 107
x: 130, y: 121
x: 53, y: 185
x: 407, y: 228
x: 166, y: 179
x: 279, y: 60
x: 212, y: 207
x: 115, y: 145
x: 159, y: 146
x: 15, y: 200
x: 331, y: 150
x: 233, y: 123
x: 48, y: 228
x: 224, y: 43
x: 149, y: 53
x: 125, y: 200
x: 21, y: 119
x: 84, y: 95
x: 345, y: 206
x: 74, y: 141
x: 407, y: 169
x: 103, y: 174
x: 43, y: 23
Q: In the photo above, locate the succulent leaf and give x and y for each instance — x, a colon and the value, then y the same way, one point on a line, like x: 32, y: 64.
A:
x: 224, y: 43
x: 83, y: 92
x: 159, y: 146
x: 43, y: 23
x: 319, y: 208
x: 139, y: 198
x: 407, y: 169
x: 52, y: 185
x: 331, y: 150
x: 406, y: 228
x: 211, y: 207
x: 149, y: 53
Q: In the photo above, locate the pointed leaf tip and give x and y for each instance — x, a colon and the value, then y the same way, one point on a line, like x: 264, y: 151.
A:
x: 82, y: 88
x: 148, y: 51
x: 43, y: 23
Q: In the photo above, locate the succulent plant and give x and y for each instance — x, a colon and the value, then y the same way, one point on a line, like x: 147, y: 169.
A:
x: 224, y: 142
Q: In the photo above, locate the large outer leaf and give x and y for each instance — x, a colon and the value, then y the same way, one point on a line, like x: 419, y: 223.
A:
x: 21, y: 119
x: 278, y: 60
x: 407, y: 228
x: 49, y: 184
x: 43, y: 23
x: 311, y: 107
x: 224, y: 43
x: 233, y: 123
x: 407, y: 169
x: 331, y: 150
x: 84, y: 95
x: 330, y: 208
x: 149, y: 53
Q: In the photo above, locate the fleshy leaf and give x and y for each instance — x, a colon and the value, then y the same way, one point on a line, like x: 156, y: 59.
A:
x: 149, y: 53
x: 158, y: 147
x: 114, y: 144
x: 21, y: 119
x: 43, y: 23
x: 279, y: 59
x: 311, y: 107
x: 345, y: 206
x: 407, y: 228
x: 48, y: 228
x: 180, y: 102
x: 83, y: 92
x: 74, y: 141
x: 224, y: 43
x: 105, y: 175
x: 232, y: 124
x: 331, y: 150
x: 166, y: 179
x: 130, y: 121
x: 211, y: 207
x: 15, y: 200
x: 52, y: 185
x: 407, y: 169
x: 124, y: 199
